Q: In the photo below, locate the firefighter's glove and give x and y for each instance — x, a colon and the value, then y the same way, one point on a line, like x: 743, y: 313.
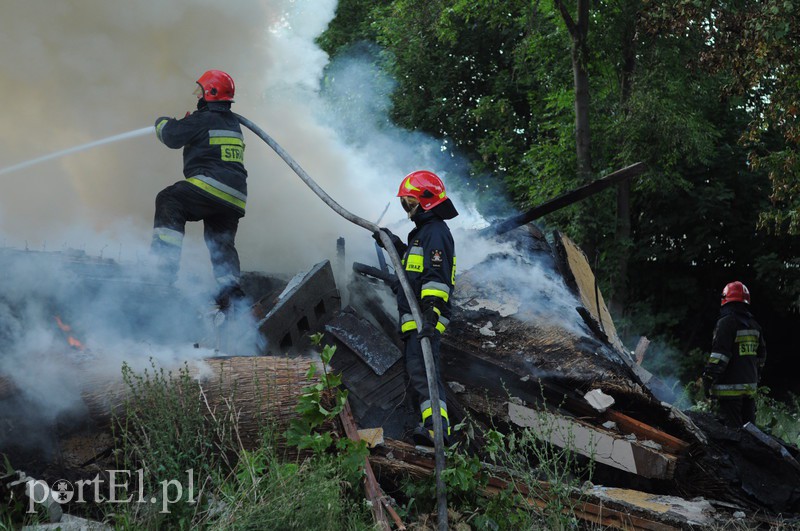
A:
x: 429, y: 320
x: 398, y: 244
x: 708, y: 382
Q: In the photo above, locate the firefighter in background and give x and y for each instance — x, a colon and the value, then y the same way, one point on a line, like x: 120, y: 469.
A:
x: 214, y: 189
x: 738, y: 353
x: 430, y: 265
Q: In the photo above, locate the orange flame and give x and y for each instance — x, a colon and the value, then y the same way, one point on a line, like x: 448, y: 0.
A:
x: 62, y: 325
x: 74, y: 343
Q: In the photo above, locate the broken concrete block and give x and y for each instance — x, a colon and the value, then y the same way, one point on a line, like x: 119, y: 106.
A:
x: 487, y: 330
x: 306, y: 304
x: 70, y: 523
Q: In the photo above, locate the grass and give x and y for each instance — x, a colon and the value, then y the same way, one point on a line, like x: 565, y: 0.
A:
x: 166, y: 427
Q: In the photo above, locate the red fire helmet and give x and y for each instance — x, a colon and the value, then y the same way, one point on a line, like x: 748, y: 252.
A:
x: 735, y: 292
x: 217, y: 86
x: 425, y: 186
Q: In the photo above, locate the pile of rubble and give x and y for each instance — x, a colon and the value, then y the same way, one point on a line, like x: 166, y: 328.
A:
x: 519, y: 354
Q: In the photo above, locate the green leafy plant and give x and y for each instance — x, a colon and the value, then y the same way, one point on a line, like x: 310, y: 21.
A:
x: 320, y: 402
x: 318, y: 405
x: 781, y: 419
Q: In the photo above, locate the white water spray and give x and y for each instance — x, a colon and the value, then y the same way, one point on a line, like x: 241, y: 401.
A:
x: 124, y: 136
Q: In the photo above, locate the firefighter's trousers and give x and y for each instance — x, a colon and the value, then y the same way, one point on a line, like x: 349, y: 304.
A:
x: 737, y: 411
x: 415, y: 367
x: 182, y: 202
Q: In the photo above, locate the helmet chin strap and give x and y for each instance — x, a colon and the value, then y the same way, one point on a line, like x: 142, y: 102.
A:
x: 413, y: 211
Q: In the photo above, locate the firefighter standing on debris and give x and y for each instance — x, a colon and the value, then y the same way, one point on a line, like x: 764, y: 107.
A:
x: 738, y: 353
x: 214, y: 189
x: 430, y: 265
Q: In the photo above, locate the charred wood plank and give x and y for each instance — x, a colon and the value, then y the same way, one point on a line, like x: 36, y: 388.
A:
x: 374, y: 272
x: 365, y: 341
x: 567, y: 199
x: 628, y: 424
x: 371, y: 486
x: 595, y: 513
x: 579, y: 276
x: 641, y: 348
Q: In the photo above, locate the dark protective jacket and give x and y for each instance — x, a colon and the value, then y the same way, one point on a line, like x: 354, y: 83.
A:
x: 430, y: 265
x: 738, y: 353
x: 213, y: 151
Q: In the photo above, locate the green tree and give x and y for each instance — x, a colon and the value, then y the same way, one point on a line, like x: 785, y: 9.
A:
x: 495, y: 83
x: 754, y: 46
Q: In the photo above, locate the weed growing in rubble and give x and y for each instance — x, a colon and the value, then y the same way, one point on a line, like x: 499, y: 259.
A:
x: 556, y: 477
x: 14, y: 510
x: 163, y: 429
x: 268, y: 492
x: 312, y: 492
x: 318, y: 405
x: 781, y: 419
x: 530, y: 469
x: 316, y: 491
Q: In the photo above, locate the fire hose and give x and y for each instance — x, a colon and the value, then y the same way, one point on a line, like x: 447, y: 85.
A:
x: 427, y: 353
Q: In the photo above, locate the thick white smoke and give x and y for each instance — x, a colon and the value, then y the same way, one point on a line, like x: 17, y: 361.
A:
x: 77, y: 71
x: 81, y: 71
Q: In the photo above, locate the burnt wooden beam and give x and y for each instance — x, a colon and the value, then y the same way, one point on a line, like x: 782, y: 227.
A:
x: 380, y: 274
x: 371, y: 486
x: 567, y: 199
x: 630, y: 425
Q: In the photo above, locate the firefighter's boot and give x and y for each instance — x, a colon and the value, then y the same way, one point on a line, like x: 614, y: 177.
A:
x: 229, y: 297
x: 423, y: 434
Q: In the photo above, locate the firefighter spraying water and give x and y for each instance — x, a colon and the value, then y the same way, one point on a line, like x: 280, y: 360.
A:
x: 214, y: 189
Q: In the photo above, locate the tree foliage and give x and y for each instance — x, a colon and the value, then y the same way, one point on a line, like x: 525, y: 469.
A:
x: 703, y: 92
x: 753, y: 46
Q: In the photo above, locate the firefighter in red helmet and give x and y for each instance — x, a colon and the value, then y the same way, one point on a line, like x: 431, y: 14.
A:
x: 738, y: 353
x: 214, y: 188
x: 430, y: 265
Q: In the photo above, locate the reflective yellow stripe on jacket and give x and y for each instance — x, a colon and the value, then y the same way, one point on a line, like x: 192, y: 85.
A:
x: 219, y: 190
x: 747, y: 389
x: 747, y: 341
x: 427, y: 411
x: 231, y: 144
x: 407, y: 323
x: 415, y: 261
